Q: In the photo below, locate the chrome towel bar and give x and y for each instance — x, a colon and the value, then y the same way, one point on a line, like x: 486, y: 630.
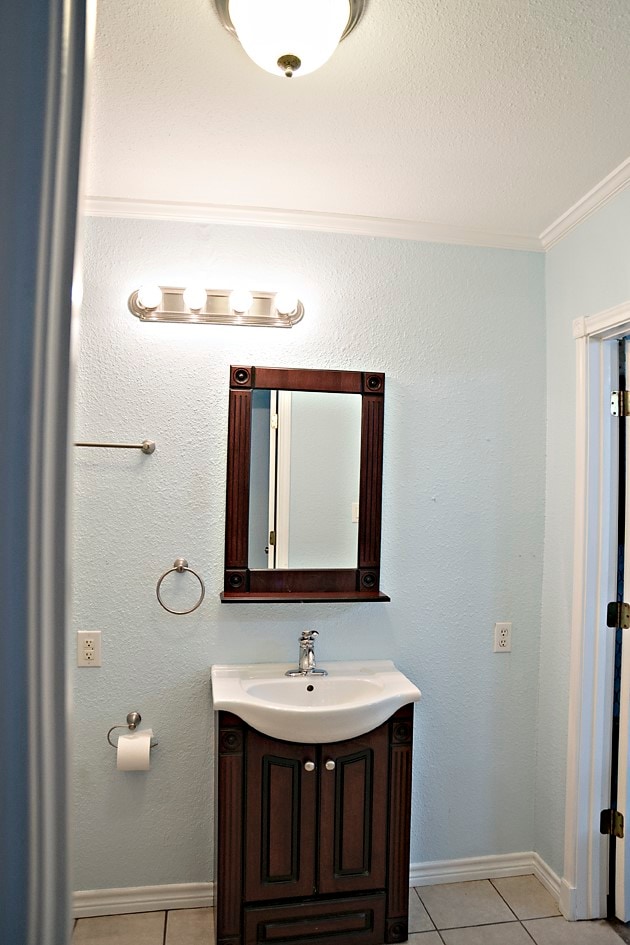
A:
x: 147, y: 446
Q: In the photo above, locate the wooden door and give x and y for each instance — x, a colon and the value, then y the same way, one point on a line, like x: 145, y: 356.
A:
x: 353, y: 813
x: 281, y: 819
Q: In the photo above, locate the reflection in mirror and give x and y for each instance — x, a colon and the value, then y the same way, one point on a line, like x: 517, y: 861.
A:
x: 303, y: 485
x: 304, y: 479
x: 259, y: 528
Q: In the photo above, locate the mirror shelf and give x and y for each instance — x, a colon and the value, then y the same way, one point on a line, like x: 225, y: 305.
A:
x: 246, y: 583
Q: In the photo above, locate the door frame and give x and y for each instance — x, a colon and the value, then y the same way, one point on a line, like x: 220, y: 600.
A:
x: 47, y: 51
x: 583, y: 887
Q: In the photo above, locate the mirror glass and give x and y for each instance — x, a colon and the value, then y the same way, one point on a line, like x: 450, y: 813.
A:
x: 304, y: 479
x: 303, y: 485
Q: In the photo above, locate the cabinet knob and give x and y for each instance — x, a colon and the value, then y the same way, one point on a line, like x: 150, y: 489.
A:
x: 309, y: 765
x: 330, y: 765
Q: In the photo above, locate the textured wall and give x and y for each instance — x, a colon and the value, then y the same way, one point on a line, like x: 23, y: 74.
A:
x: 460, y: 334
x: 587, y: 272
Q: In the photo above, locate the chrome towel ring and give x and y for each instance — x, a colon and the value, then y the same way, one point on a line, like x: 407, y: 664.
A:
x: 180, y: 565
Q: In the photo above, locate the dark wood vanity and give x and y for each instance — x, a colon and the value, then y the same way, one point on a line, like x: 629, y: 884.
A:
x: 313, y: 840
x: 359, y: 578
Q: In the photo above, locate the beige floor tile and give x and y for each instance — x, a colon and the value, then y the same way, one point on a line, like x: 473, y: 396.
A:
x: 142, y: 928
x: 526, y: 896
x: 190, y: 927
x: 419, y: 920
x: 558, y: 931
x: 459, y: 904
x: 508, y: 933
x: 424, y: 938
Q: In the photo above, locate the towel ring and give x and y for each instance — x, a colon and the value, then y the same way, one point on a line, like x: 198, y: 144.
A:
x: 180, y: 565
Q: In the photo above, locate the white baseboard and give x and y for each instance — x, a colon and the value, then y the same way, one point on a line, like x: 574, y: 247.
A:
x: 568, y: 901
x: 92, y: 902
x: 485, y: 867
x: 550, y: 880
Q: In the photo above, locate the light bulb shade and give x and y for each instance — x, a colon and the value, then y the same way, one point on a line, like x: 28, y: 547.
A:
x: 286, y: 303
x: 241, y: 301
x: 195, y: 298
x: 308, y: 30
x: 149, y: 296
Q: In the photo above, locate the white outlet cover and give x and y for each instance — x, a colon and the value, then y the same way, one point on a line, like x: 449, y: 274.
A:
x: 88, y: 648
x: 503, y: 637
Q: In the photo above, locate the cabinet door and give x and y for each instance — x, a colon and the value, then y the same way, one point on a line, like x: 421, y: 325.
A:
x: 281, y: 819
x: 353, y: 824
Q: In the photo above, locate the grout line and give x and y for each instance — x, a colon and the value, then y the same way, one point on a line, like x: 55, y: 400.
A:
x: 529, y: 933
x: 478, y: 925
x: 427, y: 911
x: 504, y: 900
x: 434, y: 929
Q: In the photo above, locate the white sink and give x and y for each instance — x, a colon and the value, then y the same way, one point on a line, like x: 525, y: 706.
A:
x: 352, y: 699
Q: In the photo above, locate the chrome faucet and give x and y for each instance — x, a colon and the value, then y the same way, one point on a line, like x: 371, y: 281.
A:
x: 306, y: 661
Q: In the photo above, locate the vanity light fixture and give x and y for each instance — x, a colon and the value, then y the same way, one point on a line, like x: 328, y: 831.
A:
x: 290, y: 37
x: 198, y: 306
x: 149, y: 297
x: 241, y: 300
x: 195, y: 298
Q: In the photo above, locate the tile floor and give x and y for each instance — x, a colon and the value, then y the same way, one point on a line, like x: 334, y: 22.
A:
x: 512, y: 911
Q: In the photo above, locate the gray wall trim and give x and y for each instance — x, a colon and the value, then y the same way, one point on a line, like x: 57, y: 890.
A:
x: 42, y: 56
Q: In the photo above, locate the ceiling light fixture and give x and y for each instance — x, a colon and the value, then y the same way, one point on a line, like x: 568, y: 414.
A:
x: 290, y: 37
x: 198, y: 306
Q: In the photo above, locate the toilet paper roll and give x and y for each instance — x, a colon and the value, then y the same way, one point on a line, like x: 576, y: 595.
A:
x: 134, y: 751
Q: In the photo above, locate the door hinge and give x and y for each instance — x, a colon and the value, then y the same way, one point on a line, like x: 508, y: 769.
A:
x: 272, y: 538
x: 611, y: 823
x: 620, y: 403
x: 618, y: 615
x: 274, y: 421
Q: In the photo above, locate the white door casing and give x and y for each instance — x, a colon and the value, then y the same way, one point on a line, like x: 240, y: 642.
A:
x: 583, y: 887
x: 622, y: 846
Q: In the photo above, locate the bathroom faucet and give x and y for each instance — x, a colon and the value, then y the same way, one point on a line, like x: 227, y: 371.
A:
x: 306, y: 661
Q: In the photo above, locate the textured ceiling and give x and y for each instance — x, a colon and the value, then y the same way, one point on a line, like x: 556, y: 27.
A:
x: 492, y: 114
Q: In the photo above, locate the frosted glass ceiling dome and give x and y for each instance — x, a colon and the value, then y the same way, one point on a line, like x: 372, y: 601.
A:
x: 290, y: 37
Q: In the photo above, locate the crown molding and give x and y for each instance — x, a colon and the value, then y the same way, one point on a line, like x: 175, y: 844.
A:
x: 357, y: 225
x: 616, y: 181
x: 354, y: 225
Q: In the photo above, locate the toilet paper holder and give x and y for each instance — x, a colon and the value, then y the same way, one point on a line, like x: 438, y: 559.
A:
x: 133, y: 721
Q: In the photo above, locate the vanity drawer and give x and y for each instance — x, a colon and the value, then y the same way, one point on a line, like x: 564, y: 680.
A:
x: 353, y: 921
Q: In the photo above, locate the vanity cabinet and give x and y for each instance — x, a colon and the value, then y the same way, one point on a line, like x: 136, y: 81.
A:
x: 313, y: 840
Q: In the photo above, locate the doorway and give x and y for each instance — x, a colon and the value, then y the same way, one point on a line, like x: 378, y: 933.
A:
x: 584, y: 890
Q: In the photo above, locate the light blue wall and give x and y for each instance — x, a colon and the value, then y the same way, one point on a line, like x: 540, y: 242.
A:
x: 587, y: 272
x: 459, y: 333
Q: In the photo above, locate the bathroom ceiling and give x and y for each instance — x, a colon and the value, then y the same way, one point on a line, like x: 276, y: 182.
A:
x: 487, y: 115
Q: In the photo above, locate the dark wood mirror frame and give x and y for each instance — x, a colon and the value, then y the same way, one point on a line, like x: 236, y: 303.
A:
x: 243, y: 584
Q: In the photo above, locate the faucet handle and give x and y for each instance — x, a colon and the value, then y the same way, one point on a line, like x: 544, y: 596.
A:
x: 309, y: 635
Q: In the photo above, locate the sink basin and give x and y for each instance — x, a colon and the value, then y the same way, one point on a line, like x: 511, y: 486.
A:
x: 353, y: 699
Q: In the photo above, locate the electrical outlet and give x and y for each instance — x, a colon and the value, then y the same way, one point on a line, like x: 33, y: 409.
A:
x: 89, y: 648
x: 502, y: 637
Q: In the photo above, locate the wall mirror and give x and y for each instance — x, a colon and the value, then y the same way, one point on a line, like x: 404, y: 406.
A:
x: 304, y: 475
